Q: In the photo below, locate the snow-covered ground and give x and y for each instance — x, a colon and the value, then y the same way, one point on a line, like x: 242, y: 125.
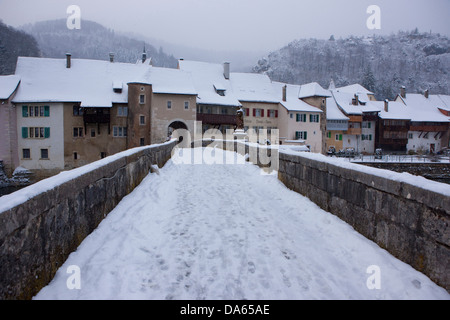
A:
x: 216, y: 231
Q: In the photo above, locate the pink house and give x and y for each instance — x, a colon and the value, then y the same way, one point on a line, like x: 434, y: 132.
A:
x: 8, y: 123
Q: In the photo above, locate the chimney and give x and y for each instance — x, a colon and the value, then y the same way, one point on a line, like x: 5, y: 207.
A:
x: 226, y: 70
x: 285, y: 93
x: 144, y: 55
x: 403, y: 92
x: 111, y: 57
x: 427, y: 93
x: 355, y: 100
x: 68, y: 60
x: 386, y: 105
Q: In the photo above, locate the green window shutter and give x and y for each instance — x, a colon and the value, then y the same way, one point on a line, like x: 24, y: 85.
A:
x: 47, y: 133
x: 46, y: 111
x: 305, y: 136
x: 311, y: 118
x: 340, y: 137
x: 368, y: 125
x: 25, y: 111
x: 370, y: 137
x: 298, y: 117
x: 24, y: 132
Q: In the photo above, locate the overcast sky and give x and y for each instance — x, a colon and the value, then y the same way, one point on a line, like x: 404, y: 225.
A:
x: 242, y: 25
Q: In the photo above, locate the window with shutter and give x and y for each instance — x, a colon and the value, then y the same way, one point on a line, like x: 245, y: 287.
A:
x: 254, y: 112
x: 24, y: 132
x: 262, y: 113
x: 25, y: 111
x: 46, y: 133
x: 46, y: 111
x: 276, y: 113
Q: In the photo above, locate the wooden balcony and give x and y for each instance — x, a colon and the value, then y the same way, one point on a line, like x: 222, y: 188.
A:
x: 355, y: 131
x: 216, y: 119
x: 97, y: 118
x: 432, y: 128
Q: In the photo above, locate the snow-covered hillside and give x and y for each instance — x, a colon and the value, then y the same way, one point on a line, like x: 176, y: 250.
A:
x: 382, y: 64
x: 215, y: 231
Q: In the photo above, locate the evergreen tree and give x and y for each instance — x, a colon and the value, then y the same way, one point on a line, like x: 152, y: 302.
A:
x: 368, y: 80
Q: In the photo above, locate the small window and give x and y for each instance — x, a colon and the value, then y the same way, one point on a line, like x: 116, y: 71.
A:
x: 142, y: 99
x: 77, y: 132
x: 122, y: 111
x: 186, y: 105
x: 26, y: 154
x: 142, y: 120
x: 25, y: 111
x: 77, y: 110
x: 102, y: 155
x: 142, y: 142
x: 169, y: 104
x: 75, y: 156
x: 92, y: 133
x: 44, y: 154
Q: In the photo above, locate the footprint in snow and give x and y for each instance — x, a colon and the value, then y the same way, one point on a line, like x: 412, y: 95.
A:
x: 251, y: 267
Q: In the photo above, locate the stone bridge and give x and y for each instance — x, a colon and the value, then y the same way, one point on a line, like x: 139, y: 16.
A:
x: 41, y: 225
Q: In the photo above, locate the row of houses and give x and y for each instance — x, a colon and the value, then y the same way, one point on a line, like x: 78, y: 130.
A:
x: 58, y: 114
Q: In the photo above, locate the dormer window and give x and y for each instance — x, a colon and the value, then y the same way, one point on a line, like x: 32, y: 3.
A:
x: 117, y: 87
x: 220, y: 90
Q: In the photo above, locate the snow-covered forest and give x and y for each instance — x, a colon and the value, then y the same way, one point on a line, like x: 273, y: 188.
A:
x: 92, y: 41
x: 382, y: 64
x: 52, y: 39
x: 14, y: 43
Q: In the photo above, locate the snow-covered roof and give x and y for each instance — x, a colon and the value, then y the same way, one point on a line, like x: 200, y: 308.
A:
x: 90, y: 82
x: 170, y: 81
x: 446, y: 100
x: 292, y: 103
x: 345, y: 102
x: 313, y: 89
x: 205, y: 77
x: 354, y: 88
x: 422, y: 109
x: 396, y: 111
x: 94, y: 83
x: 8, y: 84
x: 333, y: 112
x: 253, y: 87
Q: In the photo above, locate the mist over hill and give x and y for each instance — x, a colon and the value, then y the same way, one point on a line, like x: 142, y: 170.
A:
x: 382, y: 64
x: 93, y: 41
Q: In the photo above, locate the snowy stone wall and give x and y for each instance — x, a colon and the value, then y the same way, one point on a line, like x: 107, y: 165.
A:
x: 405, y: 214
x: 38, y: 234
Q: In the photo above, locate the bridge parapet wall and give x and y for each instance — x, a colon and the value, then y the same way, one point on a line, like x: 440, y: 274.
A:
x: 42, y: 224
x: 406, y: 215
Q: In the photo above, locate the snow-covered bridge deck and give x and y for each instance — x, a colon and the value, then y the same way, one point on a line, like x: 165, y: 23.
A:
x: 229, y: 232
